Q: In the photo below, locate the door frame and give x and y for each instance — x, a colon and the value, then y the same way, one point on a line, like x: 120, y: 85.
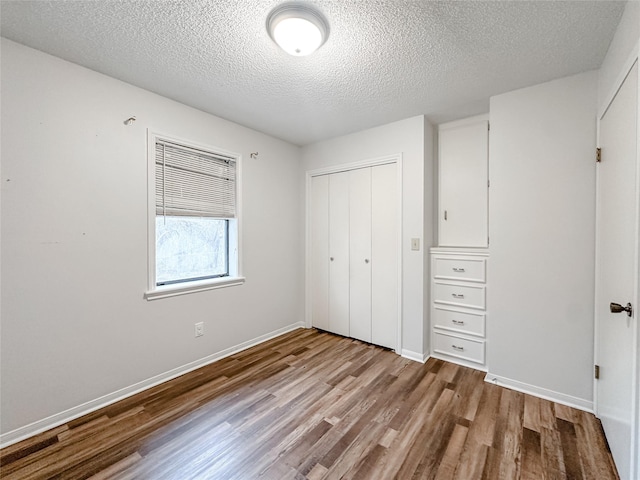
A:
x: 635, y: 385
x: 345, y: 167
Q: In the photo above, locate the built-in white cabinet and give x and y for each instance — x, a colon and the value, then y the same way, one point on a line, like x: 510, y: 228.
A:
x: 458, y: 305
x: 463, y: 172
x: 354, y: 253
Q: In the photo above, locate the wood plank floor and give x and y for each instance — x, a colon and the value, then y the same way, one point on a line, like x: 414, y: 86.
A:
x: 311, y: 405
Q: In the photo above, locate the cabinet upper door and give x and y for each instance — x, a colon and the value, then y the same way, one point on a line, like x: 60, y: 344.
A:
x: 463, y: 185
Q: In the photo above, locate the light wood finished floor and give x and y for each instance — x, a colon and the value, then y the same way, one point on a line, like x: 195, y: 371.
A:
x: 312, y: 405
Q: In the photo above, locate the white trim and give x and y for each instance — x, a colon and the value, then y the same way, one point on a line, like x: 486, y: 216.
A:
x: 192, y: 287
x: 473, y: 251
x: 635, y: 384
x: 307, y: 254
x: 624, y: 71
x: 235, y: 258
x: 345, y: 167
x: 464, y: 122
x: 635, y: 396
x: 551, y: 395
x: 61, y: 418
x: 400, y: 227
x: 415, y: 356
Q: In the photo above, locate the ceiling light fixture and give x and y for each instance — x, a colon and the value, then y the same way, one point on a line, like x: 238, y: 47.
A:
x: 298, y: 29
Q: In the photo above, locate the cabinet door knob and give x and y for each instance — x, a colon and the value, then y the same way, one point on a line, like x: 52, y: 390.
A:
x: 366, y: 260
x: 331, y: 258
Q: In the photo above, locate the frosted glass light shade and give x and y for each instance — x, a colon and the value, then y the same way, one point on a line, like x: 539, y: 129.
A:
x: 297, y: 29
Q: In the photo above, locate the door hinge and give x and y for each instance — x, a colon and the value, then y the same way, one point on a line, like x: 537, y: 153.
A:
x: 596, y: 371
x: 598, y: 155
x: 445, y: 214
x: 488, y: 183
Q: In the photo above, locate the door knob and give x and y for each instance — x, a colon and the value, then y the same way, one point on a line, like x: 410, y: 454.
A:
x: 617, y: 308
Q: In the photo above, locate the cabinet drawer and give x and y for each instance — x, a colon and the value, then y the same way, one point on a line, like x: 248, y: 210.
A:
x: 469, y: 323
x: 459, y: 347
x: 471, y: 270
x: 472, y: 296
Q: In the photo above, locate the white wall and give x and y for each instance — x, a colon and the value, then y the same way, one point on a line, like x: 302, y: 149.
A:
x: 406, y: 137
x: 623, y: 45
x: 542, y: 220
x: 430, y: 233
x: 75, y: 325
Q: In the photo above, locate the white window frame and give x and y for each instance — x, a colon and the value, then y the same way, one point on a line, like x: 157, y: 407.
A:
x: 235, y: 278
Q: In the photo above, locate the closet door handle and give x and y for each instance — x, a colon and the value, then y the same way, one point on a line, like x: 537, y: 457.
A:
x: 617, y: 308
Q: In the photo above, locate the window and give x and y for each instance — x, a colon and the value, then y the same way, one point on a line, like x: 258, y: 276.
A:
x: 193, y: 227
x: 191, y: 248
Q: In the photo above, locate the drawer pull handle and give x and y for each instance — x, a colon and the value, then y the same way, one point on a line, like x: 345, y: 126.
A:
x: 457, y: 295
x: 457, y: 269
x: 455, y: 347
x: 458, y: 322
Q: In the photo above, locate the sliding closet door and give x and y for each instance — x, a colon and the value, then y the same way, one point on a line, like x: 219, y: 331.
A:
x: 360, y: 253
x: 354, y: 253
x: 339, y: 253
x: 384, y: 255
x: 319, y: 246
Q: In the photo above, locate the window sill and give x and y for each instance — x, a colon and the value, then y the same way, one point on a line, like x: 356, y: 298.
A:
x: 192, y: 287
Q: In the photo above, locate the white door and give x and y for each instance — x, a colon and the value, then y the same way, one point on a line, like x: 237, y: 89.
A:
x: 354, y: 253
x: 463, y: 188
x: 339, y: 253
x: 360, y: 253
x: 384, y: 255
x: 615, y: 271
x: 319, y: 248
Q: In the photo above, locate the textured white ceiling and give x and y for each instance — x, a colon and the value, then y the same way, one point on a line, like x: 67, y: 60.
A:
x: 384, y: 60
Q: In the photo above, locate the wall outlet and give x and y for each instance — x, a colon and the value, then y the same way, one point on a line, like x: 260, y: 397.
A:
x: 415, y: 244
x: 199, y: 329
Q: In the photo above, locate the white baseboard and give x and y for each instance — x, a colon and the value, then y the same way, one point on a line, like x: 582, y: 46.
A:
x: 562, y: 398
x: 61, y: 418
x: 415, y: 356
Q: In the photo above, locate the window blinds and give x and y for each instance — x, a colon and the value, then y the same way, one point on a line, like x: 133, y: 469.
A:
x: 191, y: 182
